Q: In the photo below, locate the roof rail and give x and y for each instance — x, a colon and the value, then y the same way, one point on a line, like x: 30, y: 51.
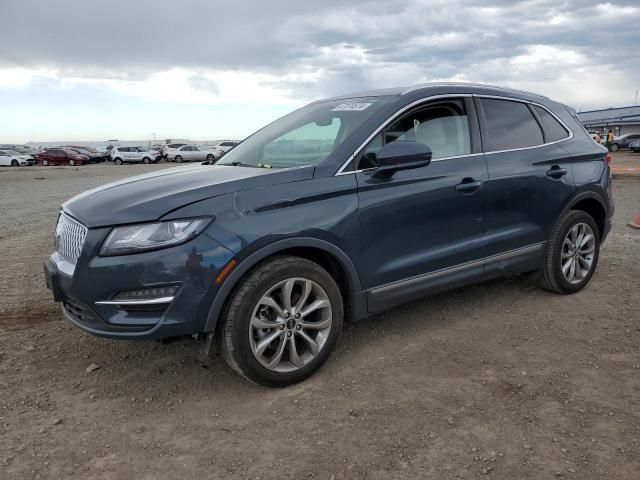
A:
x: 468, y: 84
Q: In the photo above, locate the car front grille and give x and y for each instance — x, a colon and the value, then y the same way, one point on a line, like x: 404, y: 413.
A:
x: 70, y: 237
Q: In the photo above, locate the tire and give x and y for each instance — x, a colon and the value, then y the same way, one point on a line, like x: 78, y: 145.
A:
x: 239, y: 338
x: 45, y: 163
x: 14, y: 163
x: 614, y: 147
x: 146, y: 160
x: 179, y: 159
x: 551, y: 276
x: 210, y: 157
x: 118, y: 161
x: 72, y: 163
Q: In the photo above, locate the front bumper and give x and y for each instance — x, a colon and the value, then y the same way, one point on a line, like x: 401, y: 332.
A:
x: 82, y: 289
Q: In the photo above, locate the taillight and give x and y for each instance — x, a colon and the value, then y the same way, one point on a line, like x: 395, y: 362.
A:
x: 607, y: 158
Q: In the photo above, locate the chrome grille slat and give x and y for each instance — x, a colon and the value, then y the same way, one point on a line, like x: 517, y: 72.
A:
x: 70, y: 237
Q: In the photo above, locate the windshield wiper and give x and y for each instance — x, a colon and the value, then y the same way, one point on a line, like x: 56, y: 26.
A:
x: 242, y: 164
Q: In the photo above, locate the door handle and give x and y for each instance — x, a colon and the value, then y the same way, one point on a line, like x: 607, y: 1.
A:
x: 468, y: 186
x: 556, y: 172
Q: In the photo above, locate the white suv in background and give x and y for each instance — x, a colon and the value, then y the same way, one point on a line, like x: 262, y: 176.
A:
x: 224, y: 147
x: 120, y: 155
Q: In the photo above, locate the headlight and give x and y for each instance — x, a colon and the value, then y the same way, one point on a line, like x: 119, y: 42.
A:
x: 152, y: 236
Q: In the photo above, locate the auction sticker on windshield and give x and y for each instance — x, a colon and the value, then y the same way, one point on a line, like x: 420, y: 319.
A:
x: 351, y: 107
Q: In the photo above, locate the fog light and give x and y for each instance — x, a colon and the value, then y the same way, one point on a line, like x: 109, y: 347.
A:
x: 147, y: 293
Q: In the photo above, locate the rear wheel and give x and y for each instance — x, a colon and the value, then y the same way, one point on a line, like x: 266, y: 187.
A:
x: 210, y: 157
x: 282, y: 322
x: 146, y: 160
x: 118, y: 161
x: 179, y: 159
x: 571, y: 254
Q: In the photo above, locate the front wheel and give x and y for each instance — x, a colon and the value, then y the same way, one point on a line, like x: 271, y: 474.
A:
x: 282, y: 322
x: 45, y: 163
x: 72, y: 163
x: 571, y: 255
x: 210, y: 158
x: 14, y: 163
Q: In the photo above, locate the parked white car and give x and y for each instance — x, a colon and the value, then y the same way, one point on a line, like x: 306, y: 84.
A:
x: 169, y: 149
x: 120, y: 155
x: 192, y: 153
x: 224, y: 147
x: 10, y: 158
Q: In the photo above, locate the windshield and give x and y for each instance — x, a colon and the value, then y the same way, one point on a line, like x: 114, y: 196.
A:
x: 306, y: 136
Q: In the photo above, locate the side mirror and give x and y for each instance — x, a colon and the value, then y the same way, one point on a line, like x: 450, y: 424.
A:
x: 402, y: 155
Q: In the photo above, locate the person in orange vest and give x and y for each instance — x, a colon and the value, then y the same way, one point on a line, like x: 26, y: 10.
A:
x: 609, y: 139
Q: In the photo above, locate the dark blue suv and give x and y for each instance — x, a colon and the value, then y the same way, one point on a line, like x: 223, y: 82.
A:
x: 341, y: 209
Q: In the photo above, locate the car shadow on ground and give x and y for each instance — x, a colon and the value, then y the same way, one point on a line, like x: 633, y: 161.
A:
x: 159, y: 368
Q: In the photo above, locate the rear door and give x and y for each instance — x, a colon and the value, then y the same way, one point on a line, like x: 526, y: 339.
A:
x: 423, y: 229
x: 530, y: 177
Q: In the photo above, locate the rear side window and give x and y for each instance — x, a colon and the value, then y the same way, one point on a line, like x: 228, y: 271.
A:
x: 553, y: 130
x: 510, y: 125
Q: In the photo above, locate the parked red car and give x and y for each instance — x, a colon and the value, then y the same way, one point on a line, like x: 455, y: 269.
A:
x: 61, y: 156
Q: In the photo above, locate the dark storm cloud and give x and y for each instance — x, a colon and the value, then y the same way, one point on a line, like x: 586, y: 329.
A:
x: 425, y: 39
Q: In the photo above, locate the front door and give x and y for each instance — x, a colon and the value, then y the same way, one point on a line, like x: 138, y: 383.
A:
x: 423, y: 230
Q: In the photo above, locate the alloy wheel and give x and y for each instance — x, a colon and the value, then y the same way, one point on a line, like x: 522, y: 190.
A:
x: 290, y: 325
x: 577, y: 254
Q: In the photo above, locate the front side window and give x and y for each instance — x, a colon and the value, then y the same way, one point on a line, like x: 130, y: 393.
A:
x: 553, y: 130
x: 306, y: 136
x: 441, y: 126
x: 510, y: 125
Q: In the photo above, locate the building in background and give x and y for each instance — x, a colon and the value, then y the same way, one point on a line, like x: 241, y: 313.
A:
x: 621, y: 120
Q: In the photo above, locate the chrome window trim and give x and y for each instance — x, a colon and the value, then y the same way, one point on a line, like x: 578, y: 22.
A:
x: 388, y: 121
x: 530, y: 102
x: 452, y: 95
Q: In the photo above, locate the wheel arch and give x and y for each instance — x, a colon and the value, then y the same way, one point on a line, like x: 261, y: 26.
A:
x: 327, y: 255
x: 591, y: 203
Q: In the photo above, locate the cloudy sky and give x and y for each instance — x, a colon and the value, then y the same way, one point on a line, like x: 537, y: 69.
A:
x: 207, y: 69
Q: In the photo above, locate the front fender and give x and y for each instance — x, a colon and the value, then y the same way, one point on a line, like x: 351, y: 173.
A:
x: 247, y: 263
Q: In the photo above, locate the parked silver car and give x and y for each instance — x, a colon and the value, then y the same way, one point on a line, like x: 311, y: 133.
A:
x: 192, y: 153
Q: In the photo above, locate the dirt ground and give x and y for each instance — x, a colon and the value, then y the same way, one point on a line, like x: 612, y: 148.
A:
x: 500, y: 380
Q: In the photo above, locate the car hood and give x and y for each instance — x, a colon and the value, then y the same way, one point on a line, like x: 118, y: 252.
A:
x: 148, y: 197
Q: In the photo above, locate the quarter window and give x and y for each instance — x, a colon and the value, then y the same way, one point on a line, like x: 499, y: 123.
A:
x: 510, y: 125
x: 442, y: 126
x: 553, y: 130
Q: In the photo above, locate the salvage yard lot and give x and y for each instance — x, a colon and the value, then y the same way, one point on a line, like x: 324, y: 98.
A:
x: 499, y: 380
